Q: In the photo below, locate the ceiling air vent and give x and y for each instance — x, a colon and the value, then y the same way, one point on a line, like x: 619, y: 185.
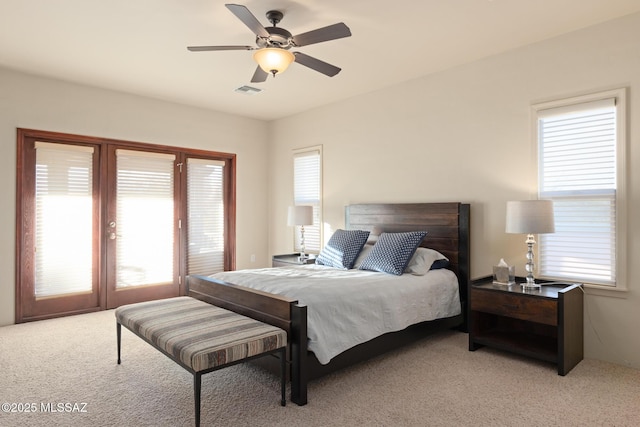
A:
x: 248, y: 90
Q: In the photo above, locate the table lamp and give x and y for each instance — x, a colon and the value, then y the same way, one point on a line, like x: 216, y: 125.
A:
x: 530, y: 217
x: 301, y: 215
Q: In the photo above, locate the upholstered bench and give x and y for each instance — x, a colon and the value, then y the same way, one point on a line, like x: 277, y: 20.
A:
x: 201, y: 337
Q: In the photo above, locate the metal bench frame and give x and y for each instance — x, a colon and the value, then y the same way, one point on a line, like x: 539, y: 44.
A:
x: 197, y: 375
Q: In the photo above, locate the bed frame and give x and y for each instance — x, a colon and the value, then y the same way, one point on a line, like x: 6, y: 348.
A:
x: 447, y: 225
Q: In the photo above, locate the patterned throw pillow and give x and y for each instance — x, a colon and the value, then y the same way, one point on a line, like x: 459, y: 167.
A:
x: 343, y: 248
x: 392, y: 252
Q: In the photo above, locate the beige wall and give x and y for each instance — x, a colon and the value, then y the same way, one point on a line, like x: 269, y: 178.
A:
x: 465, y: 135
x: 38, y: 103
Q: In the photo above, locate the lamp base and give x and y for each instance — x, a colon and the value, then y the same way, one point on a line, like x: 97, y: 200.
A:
x: 530, y: 287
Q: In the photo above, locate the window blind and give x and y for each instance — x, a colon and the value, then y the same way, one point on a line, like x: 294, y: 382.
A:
x: 307, y: 191
x: 577, y: 170
x: 205, y: 206
x: 63, y: 222
x: 145, y: 218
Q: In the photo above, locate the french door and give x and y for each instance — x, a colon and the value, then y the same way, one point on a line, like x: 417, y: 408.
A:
x: 57, y: 230
x: 102, y: 223
x: 142, y: 226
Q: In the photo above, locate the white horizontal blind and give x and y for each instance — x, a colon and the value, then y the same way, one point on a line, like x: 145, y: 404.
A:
x: 145, y: 218
x: 205, y: 206
x: 307, y: 191
x: 64, y: 215
x: 577, y: 170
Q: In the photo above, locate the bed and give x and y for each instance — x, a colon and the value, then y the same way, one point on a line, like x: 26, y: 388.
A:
x: 447, y: 225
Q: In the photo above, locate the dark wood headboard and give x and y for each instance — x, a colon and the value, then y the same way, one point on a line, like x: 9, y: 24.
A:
x: 446, y: 224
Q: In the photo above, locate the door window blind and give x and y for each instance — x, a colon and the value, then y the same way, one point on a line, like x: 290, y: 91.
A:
x: 205, y: 206
x: 577, y: 170
x: 145, y: 218
x: 63, y: 220
x: 307, y: 191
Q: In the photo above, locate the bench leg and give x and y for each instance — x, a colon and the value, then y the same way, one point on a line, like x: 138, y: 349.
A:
x: 283, y: 376
x: 119, y: 334
x: 197, y: 383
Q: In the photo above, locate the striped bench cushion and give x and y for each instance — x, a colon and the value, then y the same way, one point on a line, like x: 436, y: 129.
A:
x: 199, y: 335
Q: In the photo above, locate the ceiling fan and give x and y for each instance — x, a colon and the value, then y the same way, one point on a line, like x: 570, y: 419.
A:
x: 273, y: 44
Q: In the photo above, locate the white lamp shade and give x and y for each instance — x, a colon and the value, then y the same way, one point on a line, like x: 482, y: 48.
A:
x: 273, y: 59
x: 530, y: 217
x: 300, y: 215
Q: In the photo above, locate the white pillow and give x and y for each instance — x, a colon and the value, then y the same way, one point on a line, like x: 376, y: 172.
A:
x: 421, y: 262
x: 362, y: 255
x: 374, y: 235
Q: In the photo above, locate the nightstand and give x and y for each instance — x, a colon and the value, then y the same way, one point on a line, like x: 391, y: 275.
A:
x: 291, y: 259
x: 545, y: 324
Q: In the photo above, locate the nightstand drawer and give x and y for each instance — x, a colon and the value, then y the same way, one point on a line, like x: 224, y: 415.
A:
x: 518, y: 306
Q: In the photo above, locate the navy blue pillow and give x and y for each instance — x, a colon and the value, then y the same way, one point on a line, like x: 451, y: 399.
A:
x: 392, y: 252
x: 439, y: 263
x: 343, y: 248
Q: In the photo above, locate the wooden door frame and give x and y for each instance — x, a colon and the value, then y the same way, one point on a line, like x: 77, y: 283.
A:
x: 25, y: 214
x: 116, y: 297
x: 24, y: 262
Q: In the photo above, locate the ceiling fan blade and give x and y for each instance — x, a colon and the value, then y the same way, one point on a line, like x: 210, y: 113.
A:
x: 332, y: 32
x: 259, y: 76
x: 243, y: 14
x: 316, y: 64
x: 209, y: 48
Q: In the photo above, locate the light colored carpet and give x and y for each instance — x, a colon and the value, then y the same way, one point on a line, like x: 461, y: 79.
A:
x: 435, y: 382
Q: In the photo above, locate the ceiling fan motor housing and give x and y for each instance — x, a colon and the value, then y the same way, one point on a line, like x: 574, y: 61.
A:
x: 278, y: 37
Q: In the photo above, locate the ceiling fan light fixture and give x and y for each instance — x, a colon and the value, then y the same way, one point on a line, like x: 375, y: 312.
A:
x: 273, y: 59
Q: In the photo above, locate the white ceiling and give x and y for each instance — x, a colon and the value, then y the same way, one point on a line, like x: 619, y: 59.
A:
x: 139, y: 46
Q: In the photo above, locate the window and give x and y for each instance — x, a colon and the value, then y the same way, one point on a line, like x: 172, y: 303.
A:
x: 63, y: 202
x: 581, y: 150
x: 307, y: 191
x: 205, y: 207
x: 145, y: 212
